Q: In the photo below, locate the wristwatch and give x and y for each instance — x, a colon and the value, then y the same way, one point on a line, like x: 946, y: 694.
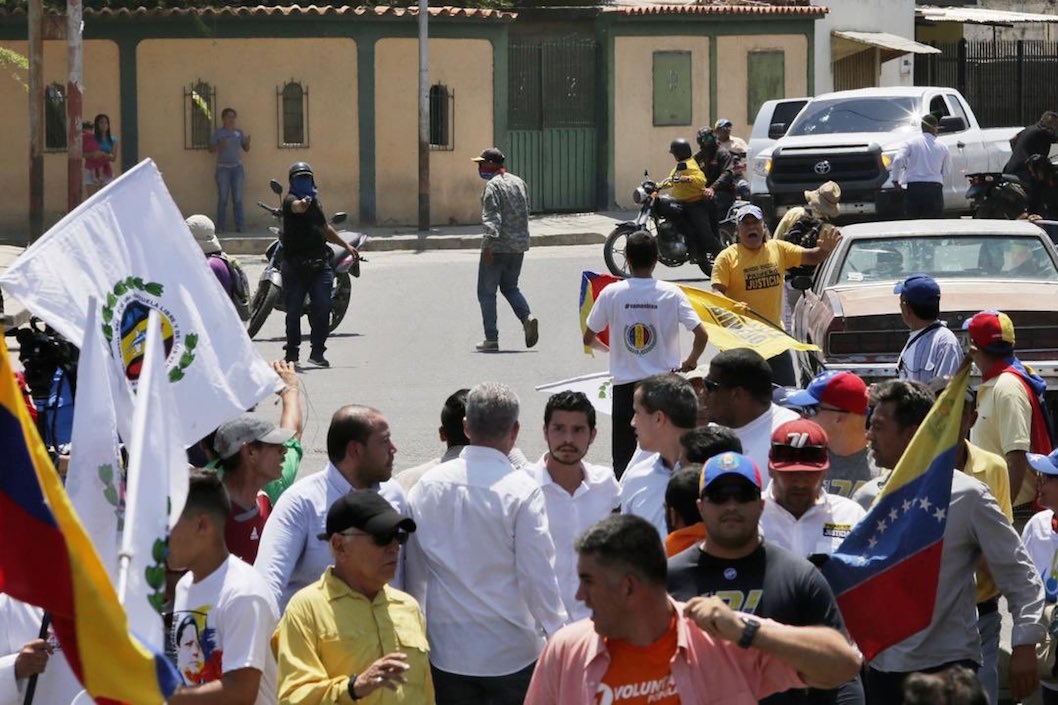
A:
x: 748, y: 632
x: 352, y: 687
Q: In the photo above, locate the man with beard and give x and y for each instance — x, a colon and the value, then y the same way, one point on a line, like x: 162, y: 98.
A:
x: 576, y: 494
x: 361, y: 453
x: 798, y: 514
x: 754, y: 576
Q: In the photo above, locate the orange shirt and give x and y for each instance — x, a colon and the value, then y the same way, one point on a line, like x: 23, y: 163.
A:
x: 638, y: 675
x: 682, y: 539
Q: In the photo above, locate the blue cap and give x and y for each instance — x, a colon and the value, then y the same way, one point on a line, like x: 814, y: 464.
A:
x: 919, y: 289
x: 722, y: 122
x: 1046, y: 464
x: 751, y: 210
x: 729, y: 464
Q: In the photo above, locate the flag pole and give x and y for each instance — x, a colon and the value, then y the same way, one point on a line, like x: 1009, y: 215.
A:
x: 135, y: 469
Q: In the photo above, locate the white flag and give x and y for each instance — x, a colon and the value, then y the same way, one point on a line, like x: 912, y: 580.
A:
x: 129, y: 247
x: 94, y: 480
x: 156, y: 460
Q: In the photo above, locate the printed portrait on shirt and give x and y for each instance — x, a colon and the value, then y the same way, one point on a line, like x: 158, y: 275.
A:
x: 194, y: 647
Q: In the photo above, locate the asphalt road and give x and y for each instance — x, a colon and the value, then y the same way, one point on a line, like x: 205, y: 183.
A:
x: 408, y: 342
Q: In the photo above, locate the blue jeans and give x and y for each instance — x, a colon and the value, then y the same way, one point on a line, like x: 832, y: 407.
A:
x: 230, y: 180
x: 296, y: 284
x: 988, y: 626
x: 501, y: 274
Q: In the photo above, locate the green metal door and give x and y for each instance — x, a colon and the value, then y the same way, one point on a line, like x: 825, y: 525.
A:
x: 551, y: 136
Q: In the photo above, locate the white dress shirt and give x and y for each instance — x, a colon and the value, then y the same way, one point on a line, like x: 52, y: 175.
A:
x: 569, y: 516
x: 756, y: 436
x: 481, y: 563
x: 19, y: 625
x: 820, y: 530
x: 922, y: 159
x: 643, y: 491
x: 290, y: 556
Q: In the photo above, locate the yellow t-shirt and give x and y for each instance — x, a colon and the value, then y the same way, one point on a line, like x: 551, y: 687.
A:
x: 688, y: 190
x: 756, y: 276
x: 1004, y: 424
x: 990, y: 469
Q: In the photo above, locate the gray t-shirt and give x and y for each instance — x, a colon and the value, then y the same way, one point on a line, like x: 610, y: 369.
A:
x: 231, y: 153
x: 848, y: 473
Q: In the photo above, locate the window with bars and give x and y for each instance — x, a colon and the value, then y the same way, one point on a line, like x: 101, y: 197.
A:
x: 292, y: 107
x: 442, y: 117
x: 200, y: 109
x: 55, y: 117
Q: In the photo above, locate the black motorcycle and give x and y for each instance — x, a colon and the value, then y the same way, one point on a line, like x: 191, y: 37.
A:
x: 995, y: 196
x: 656, y: 216
x: 269, y: 294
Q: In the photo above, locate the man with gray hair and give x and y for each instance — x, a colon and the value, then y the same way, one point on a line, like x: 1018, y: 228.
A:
x: 482, y: 562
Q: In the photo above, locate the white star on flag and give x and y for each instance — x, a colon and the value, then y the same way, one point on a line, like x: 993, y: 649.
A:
x: 893, y: 515
x: 882, y: 526
x: 939, y: 514
x: 925, y: 503
x: 907, y: 505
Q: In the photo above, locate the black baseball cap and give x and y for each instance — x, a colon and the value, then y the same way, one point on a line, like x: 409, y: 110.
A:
x: 492, y: 154
x: 367, y: 511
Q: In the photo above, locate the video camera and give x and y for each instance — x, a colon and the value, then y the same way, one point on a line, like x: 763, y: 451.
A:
x: 42, y: 351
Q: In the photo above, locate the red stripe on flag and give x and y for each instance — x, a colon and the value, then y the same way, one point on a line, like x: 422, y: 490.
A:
x: 893, y: 605
x: 38, y: 550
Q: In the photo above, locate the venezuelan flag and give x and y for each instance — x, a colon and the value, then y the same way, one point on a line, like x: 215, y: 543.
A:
x: 590, y: 286
x: 892, y: 557
x: 47, y: 559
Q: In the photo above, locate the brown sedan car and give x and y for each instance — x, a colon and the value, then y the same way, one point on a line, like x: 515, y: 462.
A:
x: 852, y: 314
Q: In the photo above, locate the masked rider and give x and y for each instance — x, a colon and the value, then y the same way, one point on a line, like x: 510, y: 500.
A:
x: 688, y: 184
x: 307, y: 268
x: 719, y: 167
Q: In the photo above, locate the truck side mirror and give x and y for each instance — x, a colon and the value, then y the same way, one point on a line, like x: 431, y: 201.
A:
x: 951, y: 123
x: 802, y: 282
x: 776, y: 130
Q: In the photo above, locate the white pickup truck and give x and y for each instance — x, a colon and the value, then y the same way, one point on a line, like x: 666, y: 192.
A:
x: 851, y: 137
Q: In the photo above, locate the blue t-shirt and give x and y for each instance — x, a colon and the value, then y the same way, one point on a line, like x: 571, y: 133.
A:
x: 231, y: 153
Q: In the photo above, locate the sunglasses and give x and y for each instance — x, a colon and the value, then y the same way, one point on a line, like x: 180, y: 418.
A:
x: 812, y: 411
x: 781, y: 454
x: 398, y: 535
x: 711, y: 384
x: 742, y: 494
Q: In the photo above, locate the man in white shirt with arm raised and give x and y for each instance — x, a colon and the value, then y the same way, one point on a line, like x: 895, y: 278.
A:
x: 482, y: 562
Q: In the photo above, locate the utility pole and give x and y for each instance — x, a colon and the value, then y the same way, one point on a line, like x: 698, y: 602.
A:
x: 424, y: 118
x: 35, y: 17
x: 75, y: 64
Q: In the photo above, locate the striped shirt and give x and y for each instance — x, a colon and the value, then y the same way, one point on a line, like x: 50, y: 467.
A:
x: 929, y: 353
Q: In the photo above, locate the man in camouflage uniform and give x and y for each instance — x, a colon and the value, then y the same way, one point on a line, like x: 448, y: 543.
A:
x: 505, y: 216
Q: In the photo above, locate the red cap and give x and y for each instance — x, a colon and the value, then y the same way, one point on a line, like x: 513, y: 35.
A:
x: 841, y: 390
x: 799, y: 445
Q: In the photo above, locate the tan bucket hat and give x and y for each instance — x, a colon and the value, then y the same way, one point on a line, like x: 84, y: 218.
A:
x: 825, y: 200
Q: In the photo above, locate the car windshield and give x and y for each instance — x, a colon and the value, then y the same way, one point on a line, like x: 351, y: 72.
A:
x: 843, y: 115
x: 965, y: 256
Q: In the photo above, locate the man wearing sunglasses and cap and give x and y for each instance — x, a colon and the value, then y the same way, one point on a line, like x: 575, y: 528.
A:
x: 323, y: 659
x: 751, y: 573
x: 798, y: 514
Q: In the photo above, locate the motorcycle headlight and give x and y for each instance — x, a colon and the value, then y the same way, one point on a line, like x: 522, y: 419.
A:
x: 639, y: 195
x: 762, y: 165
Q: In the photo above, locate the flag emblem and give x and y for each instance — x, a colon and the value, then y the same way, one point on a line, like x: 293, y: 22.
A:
x: 640, y: 338
x: 124, y: 317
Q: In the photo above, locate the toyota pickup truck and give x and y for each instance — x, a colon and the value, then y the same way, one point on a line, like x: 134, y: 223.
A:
x: 851, y: 137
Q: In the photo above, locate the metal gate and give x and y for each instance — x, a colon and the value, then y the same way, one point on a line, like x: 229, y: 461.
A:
x: 551, y: 121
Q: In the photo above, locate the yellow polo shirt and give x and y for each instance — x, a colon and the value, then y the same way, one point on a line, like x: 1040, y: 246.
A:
x: 688, y: 190
x: 756, y: 276
x: 1004, y: 424
x: 990, y: 469
x: 330, y: 632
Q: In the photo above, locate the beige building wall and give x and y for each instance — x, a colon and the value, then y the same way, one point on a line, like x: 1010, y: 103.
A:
x: 466, y: 67
x: 638, y: 145
x: 246, y: 74
x: 732, y: 59
x: 102, y: 94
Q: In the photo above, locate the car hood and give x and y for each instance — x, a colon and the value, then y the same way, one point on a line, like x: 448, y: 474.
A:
x: 956, y: 295
x: 887, y: 140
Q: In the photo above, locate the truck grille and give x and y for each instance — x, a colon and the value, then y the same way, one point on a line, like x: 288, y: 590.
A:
x: 796, y: 169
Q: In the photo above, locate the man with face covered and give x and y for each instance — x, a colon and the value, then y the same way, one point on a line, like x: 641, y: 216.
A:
x: 798, y: 515
x: 577, y: 494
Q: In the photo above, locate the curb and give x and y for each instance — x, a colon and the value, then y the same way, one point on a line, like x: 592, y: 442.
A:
x: 419, y: 243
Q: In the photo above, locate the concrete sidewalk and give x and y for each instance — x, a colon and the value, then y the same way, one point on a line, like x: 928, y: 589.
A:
x: 545, y: 230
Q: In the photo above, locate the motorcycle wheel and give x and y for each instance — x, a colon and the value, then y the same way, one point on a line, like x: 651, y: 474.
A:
x: 343, y: 289
x: 613, y: 251
x: 264, y: 300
